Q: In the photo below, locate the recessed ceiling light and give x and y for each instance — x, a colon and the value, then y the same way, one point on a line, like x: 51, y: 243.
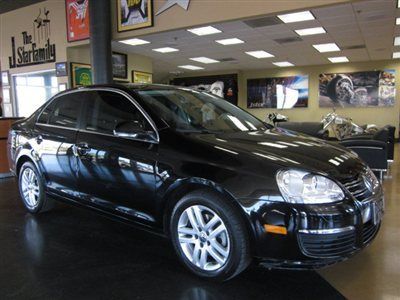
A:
x: 397, y: 21
x: 204, y: 60
x: 397, y: 40
x: 338, y: 59
x: 329, y: 47
x: 310, y: 31
x: 283, y: 64
x: 232, y: 41
x: 190, y: 67
x: 259, y: 54
x: 204, y: 30
x: 396, y: 54
x: 135, y: 42
x: 166, y: 50
x: 398, y: 3
x: 297, y: 17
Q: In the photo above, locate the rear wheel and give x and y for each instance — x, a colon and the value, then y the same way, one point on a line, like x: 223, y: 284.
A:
x: 210, y: 236
x: 31, y: 189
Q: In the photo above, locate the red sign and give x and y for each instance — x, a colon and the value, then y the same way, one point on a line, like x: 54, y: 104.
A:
x: 77, y: 19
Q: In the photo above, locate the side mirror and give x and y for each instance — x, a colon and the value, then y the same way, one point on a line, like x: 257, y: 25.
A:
x: 135, y: 130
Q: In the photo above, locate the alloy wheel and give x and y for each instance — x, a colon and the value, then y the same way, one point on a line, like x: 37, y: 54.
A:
x: 203, y: 237
x: 30, y: 187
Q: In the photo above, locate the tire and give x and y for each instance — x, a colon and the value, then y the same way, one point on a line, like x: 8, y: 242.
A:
x: 31, y: 189
x: 338, y: 83
x: 218, y: 256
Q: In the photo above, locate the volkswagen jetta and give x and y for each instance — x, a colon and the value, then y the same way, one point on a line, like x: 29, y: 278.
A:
x: 226, y: 188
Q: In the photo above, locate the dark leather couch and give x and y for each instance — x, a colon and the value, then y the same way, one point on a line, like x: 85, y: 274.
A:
x: 315, y: 129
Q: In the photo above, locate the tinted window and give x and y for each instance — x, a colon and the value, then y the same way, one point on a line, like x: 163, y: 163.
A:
x: 106, y: 110
x: 187, y: 110
x: 63, y: 111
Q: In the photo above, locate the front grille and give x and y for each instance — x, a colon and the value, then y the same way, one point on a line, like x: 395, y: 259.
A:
x: 327, y: 245
x: 369, y: 231
x: 357, y: 187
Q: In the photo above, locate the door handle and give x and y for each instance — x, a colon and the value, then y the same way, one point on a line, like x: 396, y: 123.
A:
x: 81, y: 149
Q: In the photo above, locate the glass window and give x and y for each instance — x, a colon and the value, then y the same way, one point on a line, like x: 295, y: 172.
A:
x: 63, y: 111
x: 106, y: 110
x: 188, y: 110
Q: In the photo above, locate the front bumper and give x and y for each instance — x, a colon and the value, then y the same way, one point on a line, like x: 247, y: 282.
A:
x: 316, y: 235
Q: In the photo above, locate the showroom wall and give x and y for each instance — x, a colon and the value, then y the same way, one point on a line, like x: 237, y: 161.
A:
x: 376, y: 115
x: 81, y: 54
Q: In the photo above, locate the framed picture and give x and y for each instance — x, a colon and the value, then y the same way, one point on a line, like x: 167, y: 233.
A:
x: 77, y: 19
x: 119, y: 65
x: 357, y: 89
x: 223, y: 85
x: 62, y: 87
x: 142, y: 77
x: 278, y: 92
x: 5, y: 78
x: 81, y: 74
x: 61, y: 69
x: 134, y: 14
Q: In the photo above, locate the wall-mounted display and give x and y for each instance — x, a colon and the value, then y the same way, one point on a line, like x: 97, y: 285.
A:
x: 357, y: 89
x: 77, y: 19
x: 142, y: 77
x: 278, y: 92
x: 34, y: 44
x: 5, y: 78
x: 61, y: 69
x: 134, y: 14
x: 119, y: 65
x: 81, y: 74
x: 224, y: 86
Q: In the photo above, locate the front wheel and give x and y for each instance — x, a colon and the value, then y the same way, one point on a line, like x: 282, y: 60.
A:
x: 210, y: 236
x: 31, y: 189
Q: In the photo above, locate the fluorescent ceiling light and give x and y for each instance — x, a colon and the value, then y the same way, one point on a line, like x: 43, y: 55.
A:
x: 232, y: 41
x: 204, y: 60
x: 135, y: 42
x: 190, y: 67
x: 329, y: 47
x: 338, y: 59
x: 398, y: 3
x: 283, y: 64
x: 396, y: 54
x: 297, y: 17
x: 310, y: 31
x: 397, y: 41
x: 204, y: 30
x: 397, y: 21
x: 166, y: 50
x: 259, y: 54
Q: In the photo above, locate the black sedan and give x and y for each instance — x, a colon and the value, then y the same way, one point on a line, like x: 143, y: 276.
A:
x: 222, y: 185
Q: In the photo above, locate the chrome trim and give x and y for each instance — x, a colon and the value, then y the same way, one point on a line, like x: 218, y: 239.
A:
x: 56, y: 126
x: 115, y: 90
x: 327, y: 231
x: 115, y: 136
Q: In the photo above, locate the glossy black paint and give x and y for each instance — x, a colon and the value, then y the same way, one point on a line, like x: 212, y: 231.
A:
x: 140, y: 181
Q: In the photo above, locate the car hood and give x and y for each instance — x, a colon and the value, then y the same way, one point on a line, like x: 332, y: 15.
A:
x: 285, y: 148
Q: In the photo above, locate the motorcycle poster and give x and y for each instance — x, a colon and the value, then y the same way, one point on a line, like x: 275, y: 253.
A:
x: 358, y: 89
x: 279, y: 92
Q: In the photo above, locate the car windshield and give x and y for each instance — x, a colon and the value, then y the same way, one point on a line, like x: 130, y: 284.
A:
x: 189, y: 110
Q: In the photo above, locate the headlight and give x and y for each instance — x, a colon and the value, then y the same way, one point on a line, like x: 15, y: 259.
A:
x: 303, y: 187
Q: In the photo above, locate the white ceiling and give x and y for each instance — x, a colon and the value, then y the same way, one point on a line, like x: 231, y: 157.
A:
x: 370, y: 23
